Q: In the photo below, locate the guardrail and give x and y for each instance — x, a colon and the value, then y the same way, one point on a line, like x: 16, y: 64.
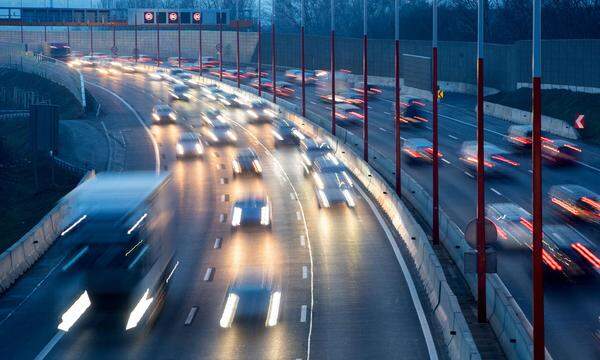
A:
x: 24, y: 253
x: 17, y: 57
x: 457, y: 335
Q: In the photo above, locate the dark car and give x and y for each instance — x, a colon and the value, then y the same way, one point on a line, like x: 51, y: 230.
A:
x: 560, y: 152
x: 576, y: 201
x: 246, y: 162
x: 286, y: 133
x: 163, y: 113
x: 419, y: 150
x: 312, y: 150
x: 412, y: 112
x: 259, y: 111
x: 251, y: 211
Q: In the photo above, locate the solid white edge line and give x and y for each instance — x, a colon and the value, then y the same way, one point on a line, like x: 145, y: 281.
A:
x: 407, y: 277
x: 139, y: 119
x: 495, y: 191
x: 50, y: 345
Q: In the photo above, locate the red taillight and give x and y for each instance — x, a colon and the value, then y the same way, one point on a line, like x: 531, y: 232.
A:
x: 501, y: 233
x: 420, y: 118
x: 430, y: 152
x: 505, y: 160
x: 565, y: 205
x: 412, y: 153
x: 360, y: 116
x: 527, y: 224
x: 341, y: 116
x: 593, y: 203
x: 587, y: 254
x: 521, y: 139
x: 573, y: 147
x: 419, y: 103
x: 550, y: 261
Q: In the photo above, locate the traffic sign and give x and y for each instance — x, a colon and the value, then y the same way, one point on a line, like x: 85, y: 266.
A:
x: 218, y: 48
x: 148, y: 17
x: 441, y: 94
x: 490, y: 233
x: 580, y: 122
x: 197, y: 17
x: 173, y: 17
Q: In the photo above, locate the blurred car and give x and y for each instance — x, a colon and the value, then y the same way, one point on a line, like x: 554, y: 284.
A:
x: 88, y: 61
x: 246, y: 162
x: 333, y: 189
x: 251, y: 211
x: 253, y: 297
x: 372, y: 90
x: 311, y: 150
x: 412, y: 112
x: 568, y: 252
x: 512, y: 224
x: 259, y: 111
x: 560, y: 152
x: 219, y: 131
x: 179, y: 92
x: 230, y: 74
x: 162, y: 113
x: 157, y: 75
x: 209, y: 62
x: 495, y: 160
x: 419, y: 149
x: 125, y: 64
x: 348, y: 113
x: 286, y: 133
x: 576, y: 201
x: 329, y: 164
x: 520, y: 136
x: 295, y: 75
x: 105, y: 67
x: 327, y: 98
x: 230, y: 100
x: 173, y: 74
x: 189, y: 145
x: 210, y: 116
x: 210, y: 91
x: 252, y: 72
x: 283, y: 88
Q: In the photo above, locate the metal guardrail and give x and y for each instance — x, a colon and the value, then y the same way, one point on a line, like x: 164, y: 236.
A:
x: 17, y: 57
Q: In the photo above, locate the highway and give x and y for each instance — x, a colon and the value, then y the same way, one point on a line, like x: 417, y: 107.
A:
x: 344, y: 294
x: 571, y: 306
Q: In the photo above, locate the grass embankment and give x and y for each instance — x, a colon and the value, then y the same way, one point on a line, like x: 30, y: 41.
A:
x: 22, y: 203
x: 561, y: 104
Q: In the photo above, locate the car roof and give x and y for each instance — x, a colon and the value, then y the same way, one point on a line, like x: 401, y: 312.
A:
x: 510, y: 210
x: 347, y: 107
x: 573, y: 191
x: 189, y: 136
x: 418, y: 142
x: 334, y: 179
x: 328, y: 160
x: 251, y: 202
x: 162, y: 107
x: 247, y: 152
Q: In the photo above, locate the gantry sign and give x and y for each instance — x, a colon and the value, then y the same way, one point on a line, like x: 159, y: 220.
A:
x: 178, y: 16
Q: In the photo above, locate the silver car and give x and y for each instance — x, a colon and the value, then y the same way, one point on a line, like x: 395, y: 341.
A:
x: 189, y: 145
x: 333, y: 189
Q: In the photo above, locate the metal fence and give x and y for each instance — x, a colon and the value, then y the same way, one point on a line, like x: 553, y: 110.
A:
x: 17, y: 57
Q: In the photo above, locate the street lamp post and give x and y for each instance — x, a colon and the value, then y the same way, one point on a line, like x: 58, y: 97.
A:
x: 332, y: 55
x: 365, y: 94
x: 397, y: 98
x: 302, y: 64
x: 436, y: 220
x: 538, y: 275
x: 481, y: 295
x: 237, y: 38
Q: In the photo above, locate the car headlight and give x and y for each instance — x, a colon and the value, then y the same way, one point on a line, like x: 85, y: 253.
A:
x: 324, y: 199
x: 231, y: 135
x: 318, y: 181
x: 269, y: 112
x: 155, y: 116
x: 348, y: 179
x: 305, y: 159
x: 173, y: 116
x: 253, y: 114
x: 298, y: 134
x: 236, y: 217
x: 349, y: 198
x: 138, y: 311
x: 179, y: 149
x: 257, y: 166
x: 273, y: 312
x: 229, y: 310
x: 236, y: 167
x: 277, y: 135
x: 199, y: 148
x: 264, y: 215
x: 74, y: 312
x: 212, y: 136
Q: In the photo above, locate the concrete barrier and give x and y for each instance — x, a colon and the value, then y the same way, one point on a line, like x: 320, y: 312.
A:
x: 18, y: 258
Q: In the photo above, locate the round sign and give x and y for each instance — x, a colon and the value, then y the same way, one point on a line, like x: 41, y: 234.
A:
x: 218, y: 47
x: 173, y: 16
x: 197, y: 16
x: 148, y: 16
x: 490, y: 233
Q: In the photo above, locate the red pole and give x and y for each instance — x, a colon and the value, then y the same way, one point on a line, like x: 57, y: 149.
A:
x: 274, y: 70
x: 200, y: 47
x: 436, y: 220
x: 135, y: 51
x: 157, y: 42
x: 45, y: 34
x: 481, y: 280
x: 22, y: 37
x: 365, y: 103
x: 91, y: 40
x: 332, y: 53
x: 237, y: 34
x: 114, y: 38
x: 538, y: 275
x: 178, y: 42
x: 397, y: 118
x: 68, y: 36
x: 221, y: 49
x: 303, y: 68
x: 259, y: 68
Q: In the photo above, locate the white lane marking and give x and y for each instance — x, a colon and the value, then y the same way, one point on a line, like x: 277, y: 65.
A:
x: 401, y: 138
x: 172, y: 272
x: 469, y: 174
x: 382, y: 129
x: 530, y: 171
x: 222, y: 218
x: 217, y: 243
x: 223, y: 181
x: 298, y: 216
x: 303, y: 313
x: 407, y: 277
x: 224, y: 198
x: 50, y: 345
x: 139, y: 119
x: 387, y: 113
x: 446, y: 161
x: 495, y: 191
x: 190, y: 317
x: 75, y: 258
x: 452, y: 137
x: 304, y: 272
x: 588, y: 166
x: 292, y: 196
x: 310, y: 254
x: 302, y: 241
x: 208, y: 274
